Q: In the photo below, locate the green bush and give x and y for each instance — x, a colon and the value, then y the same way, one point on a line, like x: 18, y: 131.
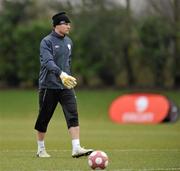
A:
x: 27, y: 50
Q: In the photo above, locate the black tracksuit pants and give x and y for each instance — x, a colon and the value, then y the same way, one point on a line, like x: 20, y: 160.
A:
x: 48, y: 100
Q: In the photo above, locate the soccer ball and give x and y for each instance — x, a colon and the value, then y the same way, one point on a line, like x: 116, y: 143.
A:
x: 98, y: 160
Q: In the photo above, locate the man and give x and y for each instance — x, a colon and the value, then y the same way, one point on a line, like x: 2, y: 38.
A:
x: 56, y: 85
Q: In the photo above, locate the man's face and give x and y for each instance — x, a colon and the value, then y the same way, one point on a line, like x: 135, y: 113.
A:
x: 63, y: 29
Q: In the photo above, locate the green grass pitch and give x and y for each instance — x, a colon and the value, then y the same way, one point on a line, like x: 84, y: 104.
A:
x: 129, y: 147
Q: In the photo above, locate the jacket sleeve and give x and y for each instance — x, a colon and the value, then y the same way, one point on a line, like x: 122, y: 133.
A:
x: 46, y: 58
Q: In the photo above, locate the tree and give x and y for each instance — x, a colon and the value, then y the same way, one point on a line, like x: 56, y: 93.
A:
x: 176, y: 40
x: 10, y: 18
x: 102, y: 43
x: 170, y: 10
x: 127, y: 44
x: 155, y: 36
x: 20, y: 38
x: 27, y: 40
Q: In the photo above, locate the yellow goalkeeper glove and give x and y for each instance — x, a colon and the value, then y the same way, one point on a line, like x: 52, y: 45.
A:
x: 67, y: 80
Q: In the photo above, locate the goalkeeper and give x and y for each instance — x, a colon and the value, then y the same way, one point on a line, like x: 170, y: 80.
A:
x: 56, y: 85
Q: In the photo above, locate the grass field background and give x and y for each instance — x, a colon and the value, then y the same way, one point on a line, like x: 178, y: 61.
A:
x: 130, y: 147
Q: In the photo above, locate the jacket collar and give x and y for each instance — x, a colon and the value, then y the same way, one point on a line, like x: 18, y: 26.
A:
x: 53, y: 33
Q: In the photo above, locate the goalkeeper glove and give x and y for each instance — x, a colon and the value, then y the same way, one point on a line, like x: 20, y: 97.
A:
x: 67, y: 80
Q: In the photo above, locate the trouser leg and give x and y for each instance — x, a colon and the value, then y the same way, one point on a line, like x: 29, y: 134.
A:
x: 47, y: 104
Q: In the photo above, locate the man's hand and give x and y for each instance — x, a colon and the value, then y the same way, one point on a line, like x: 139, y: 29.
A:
x: 67, y: 80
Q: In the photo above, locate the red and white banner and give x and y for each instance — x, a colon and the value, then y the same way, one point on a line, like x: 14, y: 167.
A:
x: 139, y: 108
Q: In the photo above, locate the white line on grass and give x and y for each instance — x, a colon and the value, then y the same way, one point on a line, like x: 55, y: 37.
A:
x: 145, y: 150
x: 113, y: 150
x: 149, y: 169
x: 145, y: 169
x: 159, y: 169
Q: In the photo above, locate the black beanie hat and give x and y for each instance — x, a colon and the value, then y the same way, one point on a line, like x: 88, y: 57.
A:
x: 60, y: 18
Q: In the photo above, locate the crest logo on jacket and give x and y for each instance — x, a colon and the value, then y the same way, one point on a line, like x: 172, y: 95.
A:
x: 69, y: 46
x: 56, y: 46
